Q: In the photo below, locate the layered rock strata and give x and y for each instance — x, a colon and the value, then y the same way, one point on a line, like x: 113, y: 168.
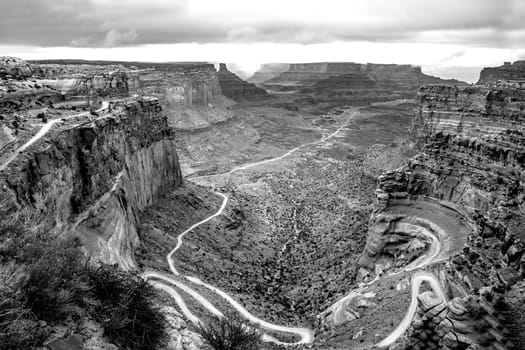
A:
x: 93, y: 177
x: 354, y: 83
x: 470, y: 166
x: 237, y: 89
x: 191, y: 95
x: 508, y: 71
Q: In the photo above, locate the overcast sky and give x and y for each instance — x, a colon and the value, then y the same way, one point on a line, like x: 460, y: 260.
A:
x: 444, y: 36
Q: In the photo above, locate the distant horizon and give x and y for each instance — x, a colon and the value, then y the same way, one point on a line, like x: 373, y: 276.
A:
x: 450, y: 38
x: 466, y: 74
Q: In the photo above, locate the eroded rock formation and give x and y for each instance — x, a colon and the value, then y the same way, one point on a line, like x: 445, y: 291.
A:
x: 237, y: 89
x: 93, y: 177
x: 508, y: 71
x: 470, y: 166
x: 190, y: 94
x: 353, y: 83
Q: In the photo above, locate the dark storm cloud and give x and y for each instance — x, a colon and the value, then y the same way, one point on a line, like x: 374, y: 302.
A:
x: 492, y: 23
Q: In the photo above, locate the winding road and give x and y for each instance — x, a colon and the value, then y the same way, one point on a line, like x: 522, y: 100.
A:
x: 44, y: 130
x: 416, y: 280
x: 165, y: 283
x: 265, y: 161
x: 306, y: 335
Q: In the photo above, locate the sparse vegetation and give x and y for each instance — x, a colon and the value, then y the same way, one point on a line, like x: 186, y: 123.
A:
x: 51, y: 280
x: 230, y: 333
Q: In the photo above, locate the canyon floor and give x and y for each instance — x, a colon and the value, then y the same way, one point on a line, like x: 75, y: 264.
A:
x: 287, y: 244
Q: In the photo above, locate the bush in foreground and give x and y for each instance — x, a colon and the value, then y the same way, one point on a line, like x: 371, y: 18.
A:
x: 52, y: 280
x: 229, y: 333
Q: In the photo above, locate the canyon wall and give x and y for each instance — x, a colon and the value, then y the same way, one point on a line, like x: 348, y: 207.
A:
x: 237, y: 89
x: 508, y: 71
x: 466, y: 187
x: 352, y: 83
x: 190, y: 94
x: 93, y: 177
x: 28, y: 86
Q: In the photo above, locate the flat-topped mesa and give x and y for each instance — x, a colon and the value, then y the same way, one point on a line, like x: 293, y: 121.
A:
x: 508, y: 71
x: 93, y: 177
x: 354, y: 83
x: 237, y: 89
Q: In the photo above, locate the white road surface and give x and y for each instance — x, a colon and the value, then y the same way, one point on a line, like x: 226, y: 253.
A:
x: 43, y: 131
x: 306, y: 335
x: 416, y: 280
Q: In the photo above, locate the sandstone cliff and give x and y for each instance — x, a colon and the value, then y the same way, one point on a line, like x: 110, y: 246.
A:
x: 466, y: 188
x: 92, y: 177
x: 353, y: 83
x: 237, y: 89
x: 190, y: 94
x: 508, y: 71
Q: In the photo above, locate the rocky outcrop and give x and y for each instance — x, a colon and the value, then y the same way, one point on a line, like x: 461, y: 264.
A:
x: 190, y: 94
x: 267, y: 72
x: 51, y: 85
x: 469, y: 322
x: 353, y: 83
x: 508, y: 71
x: 110, y: 84
x: 15, y: 68
x: 93, y: 178
x: 237, y: 89
x: 470, y: 167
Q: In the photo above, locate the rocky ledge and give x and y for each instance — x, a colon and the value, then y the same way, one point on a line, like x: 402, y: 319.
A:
x: 508, y: 71
x: 94, y: 175
x: 469, y: 168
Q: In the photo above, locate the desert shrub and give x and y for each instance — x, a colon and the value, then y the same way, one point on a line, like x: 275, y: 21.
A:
x: 56, y: 283
x: 126, y: 310
x: 229, y: 333
x: 18, y: 325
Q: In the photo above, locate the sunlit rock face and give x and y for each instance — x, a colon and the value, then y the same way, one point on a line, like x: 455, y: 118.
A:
x: 111, y: 84
x: 237, y: 89
x: 508, y: 71
x: 189, y: 93
x: 93, y: 178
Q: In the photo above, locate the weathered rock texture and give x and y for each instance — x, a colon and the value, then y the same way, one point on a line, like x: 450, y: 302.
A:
x: 190, y: 94
x: 237, y: 89
x: 353, y: 83
x: 109, y: 84
x: 52, y: 85
x: 94, y: 177
x: 12, y: 67
x: 470, y: 166
x: 508, y: 71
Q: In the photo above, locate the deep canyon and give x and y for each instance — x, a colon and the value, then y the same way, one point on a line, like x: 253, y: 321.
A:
x: 331, y: 198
